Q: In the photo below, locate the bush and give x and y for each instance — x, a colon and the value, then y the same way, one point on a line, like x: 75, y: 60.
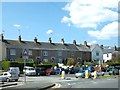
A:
x: 5, y: 65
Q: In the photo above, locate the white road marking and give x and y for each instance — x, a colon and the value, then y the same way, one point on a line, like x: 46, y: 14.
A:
x: 69, y: 84
x: 57, y: 85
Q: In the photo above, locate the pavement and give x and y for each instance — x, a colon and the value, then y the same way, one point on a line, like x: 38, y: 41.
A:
x: 28, y: 86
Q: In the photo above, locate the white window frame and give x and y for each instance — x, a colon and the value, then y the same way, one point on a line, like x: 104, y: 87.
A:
x: 30, y: 52
x: 12, y: 51
x: 45, y: 53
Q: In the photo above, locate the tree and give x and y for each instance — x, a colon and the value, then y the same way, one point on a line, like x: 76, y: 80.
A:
x: 70, y: 61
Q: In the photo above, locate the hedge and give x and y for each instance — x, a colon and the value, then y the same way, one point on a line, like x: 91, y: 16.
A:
x: 6, y: 64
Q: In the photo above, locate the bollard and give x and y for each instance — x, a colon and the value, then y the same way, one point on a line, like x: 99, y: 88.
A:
x: 86, y: 73
x: 95, y: 74
x: 63, y: 75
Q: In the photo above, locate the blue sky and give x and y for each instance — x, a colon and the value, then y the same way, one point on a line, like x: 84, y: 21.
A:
x: 61, y: 20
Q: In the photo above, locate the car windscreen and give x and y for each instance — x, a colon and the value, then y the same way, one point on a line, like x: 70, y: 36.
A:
x: 31, y: 69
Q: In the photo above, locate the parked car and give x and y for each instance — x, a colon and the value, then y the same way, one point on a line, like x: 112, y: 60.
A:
x: 58, y: 71
x: 41, y: 71
x: 71, y: 70
x: 114, y: 71
x: 51, y: 71
x: 98, y: 72
x: 80, y: 73
x: 14, y: 69
x: 9, y: 76
x: 29, y: 71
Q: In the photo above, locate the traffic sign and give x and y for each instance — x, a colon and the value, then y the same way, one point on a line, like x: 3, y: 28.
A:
x: 25, y: 52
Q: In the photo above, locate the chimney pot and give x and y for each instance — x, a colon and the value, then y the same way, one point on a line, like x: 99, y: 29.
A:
x: 50, y: 41
x: 62, y: 40
x: 85, y: 43
x: 2, y: 37
x: 74, y: 42
x: 19, y: 39
x: 35, y: 40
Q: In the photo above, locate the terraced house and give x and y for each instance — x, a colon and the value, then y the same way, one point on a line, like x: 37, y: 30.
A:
x: 46, y: 51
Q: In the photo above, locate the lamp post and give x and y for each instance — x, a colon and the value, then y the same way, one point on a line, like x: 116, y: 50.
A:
x: 25, y: 71
x: 25, y: 58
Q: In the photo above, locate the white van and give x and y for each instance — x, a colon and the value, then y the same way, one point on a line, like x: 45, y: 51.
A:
x: 15, y: 70
x: 29, y: 71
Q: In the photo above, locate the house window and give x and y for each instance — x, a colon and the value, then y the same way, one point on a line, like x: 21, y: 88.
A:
x: 45, y: 53
x: 12, y: 52
x: 60, y: 53
x: 30, y: 52
x: 97, y: 53
x: 72, y: 53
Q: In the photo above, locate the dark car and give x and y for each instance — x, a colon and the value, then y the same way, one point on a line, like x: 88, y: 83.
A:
x: 50, y: 71
x: 41, y: 71
x: 72, y: 70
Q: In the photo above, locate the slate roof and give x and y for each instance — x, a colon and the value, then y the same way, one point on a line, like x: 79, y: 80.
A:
x: 39, y: 45
x: 83, y: 48
x: 107, y: 49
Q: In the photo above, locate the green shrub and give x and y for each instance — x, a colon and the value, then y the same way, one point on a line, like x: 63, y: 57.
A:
x: 5, y: 65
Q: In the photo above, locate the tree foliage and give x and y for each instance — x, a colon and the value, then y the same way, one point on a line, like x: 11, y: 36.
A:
x: 70, y: 61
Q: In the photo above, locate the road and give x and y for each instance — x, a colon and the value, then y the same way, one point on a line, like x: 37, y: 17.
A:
x: 96, y: 83
x: 69, y: 82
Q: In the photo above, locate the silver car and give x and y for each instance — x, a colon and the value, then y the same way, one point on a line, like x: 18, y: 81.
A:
x: 7, y: 76
x: 80, y: 74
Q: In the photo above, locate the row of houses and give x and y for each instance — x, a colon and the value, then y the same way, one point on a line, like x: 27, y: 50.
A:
x: 50, y: 51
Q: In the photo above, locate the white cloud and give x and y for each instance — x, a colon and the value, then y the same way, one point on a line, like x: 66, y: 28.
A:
x: 88, y: 13
x: 17, y: 25
x: 49, y: 32
x: 108, y: 31
x: 92, y: 42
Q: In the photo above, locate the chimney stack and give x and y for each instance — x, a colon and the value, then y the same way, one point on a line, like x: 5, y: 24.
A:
x: 1, y: 37
x: 74, y: 42
x: 19, y: 39
x: 85, y: 43
x: 35, y: 40
x: 50, y: 41
x: 101, y: 46
x: 62, y: 41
